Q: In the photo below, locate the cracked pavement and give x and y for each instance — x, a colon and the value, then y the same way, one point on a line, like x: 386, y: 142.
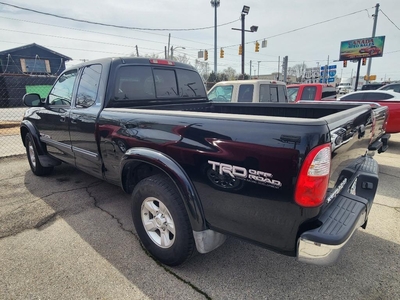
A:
x: 70, y: 236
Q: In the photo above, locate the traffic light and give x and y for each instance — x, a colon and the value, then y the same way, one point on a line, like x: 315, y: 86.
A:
x: 344, y: 63
x: 364, y: 61
x: 205, y: 55
x: 257, y: 47
x: 240, y: 49
x: 221, y: 53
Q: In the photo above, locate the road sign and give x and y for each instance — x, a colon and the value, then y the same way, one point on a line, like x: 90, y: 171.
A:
x: 328, y: 73
x: 371, y: 77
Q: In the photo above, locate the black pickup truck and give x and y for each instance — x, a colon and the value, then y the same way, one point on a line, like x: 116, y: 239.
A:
x: 296, y: 179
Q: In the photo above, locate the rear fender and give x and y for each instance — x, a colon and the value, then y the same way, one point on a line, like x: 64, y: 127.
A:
x: 137, y: 156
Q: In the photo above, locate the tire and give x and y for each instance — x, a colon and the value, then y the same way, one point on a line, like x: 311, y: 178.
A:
x: 33, y: 158
x: 161, y: 221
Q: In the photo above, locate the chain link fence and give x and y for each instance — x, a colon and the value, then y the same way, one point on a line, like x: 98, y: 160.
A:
x: 12, y: 89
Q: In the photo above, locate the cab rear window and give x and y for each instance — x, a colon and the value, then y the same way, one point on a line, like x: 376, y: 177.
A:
x: 147, y: 83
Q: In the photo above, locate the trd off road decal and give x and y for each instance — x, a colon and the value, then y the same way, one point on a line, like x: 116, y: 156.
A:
x: 250, y: 175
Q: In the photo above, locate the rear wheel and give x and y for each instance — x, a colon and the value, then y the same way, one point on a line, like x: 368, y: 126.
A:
x: 33, y: 158
x: 161, y: 220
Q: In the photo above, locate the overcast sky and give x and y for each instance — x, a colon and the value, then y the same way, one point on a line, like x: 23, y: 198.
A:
x: 312, y: 45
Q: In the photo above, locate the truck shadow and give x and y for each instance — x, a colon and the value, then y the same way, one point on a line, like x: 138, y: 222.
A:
x: 100, y: 214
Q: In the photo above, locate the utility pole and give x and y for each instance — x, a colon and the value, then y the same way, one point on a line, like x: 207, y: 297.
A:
x: 373, y: 35
x: 326, y: 72
x: 279, y: 63
x: 169, y: 41
x: 215, y: 4
x: 242, y: 18
x: 137, y: 51
x: 250, y: 68
x: 258, y: 69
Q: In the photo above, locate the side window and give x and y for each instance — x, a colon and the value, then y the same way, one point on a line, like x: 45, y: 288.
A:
x: 88, y: 86
x: 282, y: 94
x: 221, y: 93
x: 166, y: 85
x: 264, y: 93
x: 292, y: 93
x: 246, y: 93
x: 377, y: 96
x: 61, y: 93
x: 274, y: 93
x: 358, y: 96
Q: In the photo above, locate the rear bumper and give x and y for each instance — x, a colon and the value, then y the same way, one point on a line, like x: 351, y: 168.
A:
x: 351, y: 201
x: 323, y: 246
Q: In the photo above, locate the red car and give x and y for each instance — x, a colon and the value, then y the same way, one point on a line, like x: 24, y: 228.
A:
x: 383, y: 98
x: 372, y: 50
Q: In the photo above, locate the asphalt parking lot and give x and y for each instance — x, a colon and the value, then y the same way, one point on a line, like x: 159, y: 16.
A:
x: 70, y: 236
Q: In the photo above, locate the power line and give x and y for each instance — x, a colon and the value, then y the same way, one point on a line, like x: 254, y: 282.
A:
x: 109, y: 34
x: 301, y: 28
x: 112, y: 25
x: 62, y: 47
x: 389, y: 19
x: 75, y: 39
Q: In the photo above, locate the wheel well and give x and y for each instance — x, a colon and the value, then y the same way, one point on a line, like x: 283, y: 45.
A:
x: 24, y: 132
x: 134, y: 172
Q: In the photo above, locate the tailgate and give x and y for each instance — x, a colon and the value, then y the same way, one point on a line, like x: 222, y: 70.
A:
x: 381, y: 114
x: 379, y: 140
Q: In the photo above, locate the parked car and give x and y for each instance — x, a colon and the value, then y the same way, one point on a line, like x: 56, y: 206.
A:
x: 372, y: 86
x: 198, y: 171
x: 383, y: 98
x: 344, y: 88
x: 311, y: 92
x: 248, y: 91
x: 394, y: 87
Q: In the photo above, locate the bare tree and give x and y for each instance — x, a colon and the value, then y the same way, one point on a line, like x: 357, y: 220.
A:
x: 151, y: 55
x: 230, y: 73
x: 298, y: 71
x: 181, y: 58
x: 202, y: 68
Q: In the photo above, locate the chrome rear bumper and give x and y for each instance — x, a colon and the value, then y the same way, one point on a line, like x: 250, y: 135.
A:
x: 316, y: 253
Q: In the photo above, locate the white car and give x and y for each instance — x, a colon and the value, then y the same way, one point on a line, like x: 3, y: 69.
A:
x: 370, y: 96
x: 344, y: 88
x: 395, y: 87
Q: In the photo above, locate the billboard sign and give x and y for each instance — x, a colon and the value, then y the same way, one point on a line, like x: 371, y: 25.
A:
x: 367, y: 47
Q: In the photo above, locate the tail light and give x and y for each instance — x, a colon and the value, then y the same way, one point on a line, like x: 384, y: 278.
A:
x: 313, y: 179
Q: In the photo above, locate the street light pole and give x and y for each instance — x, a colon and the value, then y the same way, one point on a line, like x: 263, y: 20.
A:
x: 215, y: 4
x: 253, y: 28
x: 172, y: 51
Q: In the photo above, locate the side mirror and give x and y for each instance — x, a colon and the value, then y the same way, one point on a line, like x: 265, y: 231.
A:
x: 32, y: 100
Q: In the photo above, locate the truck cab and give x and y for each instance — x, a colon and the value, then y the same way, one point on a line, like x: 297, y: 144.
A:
x: 249, y: 91
x: 311, y: 92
